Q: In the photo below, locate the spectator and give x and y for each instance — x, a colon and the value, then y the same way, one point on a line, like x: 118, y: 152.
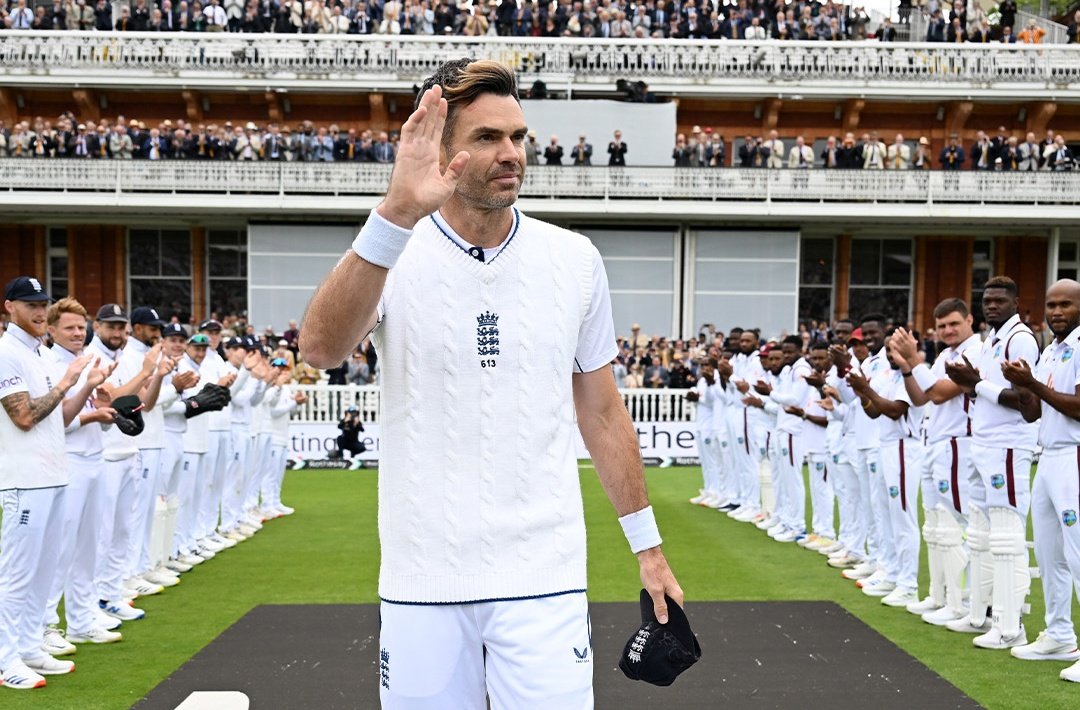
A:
x: 801, y: 156
x: 681, y: 153
x: 1061, y: 157
x: 1030, y: 154
x: 899, y: 154
x: 305, y: 374
x: 359, y: 373
x: 1073, y: 28
x: 1032, y: 34
x: 617, y: 150
x: 716, y: 150
x: 1007, y: 36
x: 922, y: 158
x: 581, y: 154
x: 1007, y: 11
x: 775, y: 157
x: 982, y: 156
x: 952, y: 156
x: 383, y: 151
x: 553, y: 153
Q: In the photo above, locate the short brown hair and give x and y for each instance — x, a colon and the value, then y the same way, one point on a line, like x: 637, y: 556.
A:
x: 462, y: 81
x: 1004, y: 283
x: 64, y: 305
x: 951, y: 305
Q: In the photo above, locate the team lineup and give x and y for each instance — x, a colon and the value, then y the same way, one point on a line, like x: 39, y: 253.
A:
x: 876, y: 427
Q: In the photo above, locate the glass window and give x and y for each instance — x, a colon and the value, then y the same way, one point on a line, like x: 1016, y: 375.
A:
x: 982, y: 265
x: 816, y: 262
x: 865, y: 262
x: 881, y: 278
x: 159, y: 270
x: 171, y: 297
x: 57, y: 259
x: 227, y: 261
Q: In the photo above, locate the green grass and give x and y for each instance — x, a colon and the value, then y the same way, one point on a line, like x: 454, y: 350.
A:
x: 328, y: 553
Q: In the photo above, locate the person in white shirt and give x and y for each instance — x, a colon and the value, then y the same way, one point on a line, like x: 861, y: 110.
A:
x: 242, y: 352
x: 898, y: 155
x: 747, y: 426
x: 814, y: 441
x: 790, y: 394
x: 1052, y: 392
x: 287, y: 402
x: 776, y: 151
x: 768, y: 474
x: 946, y: 467
x: 1002, y: 447
x: 801, y: 156
x: 83, y: 500
x: 511, y: 555
x: 33, y: 480
x: 706, y: 397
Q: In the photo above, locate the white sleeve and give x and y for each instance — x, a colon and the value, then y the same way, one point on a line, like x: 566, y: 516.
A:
x: 596, y: 337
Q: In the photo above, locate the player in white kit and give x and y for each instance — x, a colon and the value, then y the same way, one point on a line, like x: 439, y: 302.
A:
x: 946, y: 458
x: 1052, y: 392
x: 708, y: 413
x: 815, y: 444
x: 33, y: 481
x: 483, y: 568
x: 241, y: 352
x: 746, y: 426
x: 791, y: 393
x: 1001, y: 451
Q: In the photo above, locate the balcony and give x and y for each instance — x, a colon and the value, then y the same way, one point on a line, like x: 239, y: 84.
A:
x: 340, y: 63
x: 142, y: 189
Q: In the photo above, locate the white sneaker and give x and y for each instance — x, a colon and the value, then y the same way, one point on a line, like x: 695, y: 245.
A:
x: 104, y: 621
x: 943, y: 616
x: 96, y: 635
x: 880, y: 589
x: 744, y: 514
x: 128, y: 593
x: 254, y: 519
x: 708, y: 500
x: 161, y: 578
x: 775, y: 529
x: 268, y: 513
x: 121, y: 610
x: 696, y: 500
x: 860, y: 571
x: 177, y: 566
x: 47, y: 665
x: 225, y: 542
x: 1072, y: 673
x: 786, y: 536
x: 833, y: 549
x: 923, y: 607
x: 845, y: 562
x: 208, y: 543
x: 875, y: 578
x: 55, y: 644
x: 286, y: 510
x: 18, y: 676
x: 963, y: 625
x: 143, y: 588
x: 205, y: 552
x: 900, y: 597
x: 765, y: 523
x: 1045, y: 648
x: 235, y: 535
x: 190, y: 559
x: 993, y: 639
x: 246, y: 530
x: 820, y: 543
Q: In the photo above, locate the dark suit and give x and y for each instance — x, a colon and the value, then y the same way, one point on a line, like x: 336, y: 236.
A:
x: 951, y: 158
x: 616, y: 154
x: 553, y: 155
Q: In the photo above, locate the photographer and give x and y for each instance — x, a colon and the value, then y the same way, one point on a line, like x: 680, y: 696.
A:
x: 349, y: 438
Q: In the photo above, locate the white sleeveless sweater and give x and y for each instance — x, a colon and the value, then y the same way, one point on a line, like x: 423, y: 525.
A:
x: 479, y: 497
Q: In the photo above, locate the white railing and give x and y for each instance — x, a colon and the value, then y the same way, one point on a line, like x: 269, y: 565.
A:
x: 327, y: 403
x: 181, y: 177
x: 392, y: 60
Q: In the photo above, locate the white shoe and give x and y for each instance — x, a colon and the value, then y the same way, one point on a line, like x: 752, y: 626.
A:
x: 18, y: 676
x: 121, y: 610
x: 900, y: 597
x: 47, y: 665
x: 833, y: 549
x: 96, y: 635
x: 269, y: 513
x: 880, y: 589
x: 286, y: 510
x: 225, y: 542
x: 786, y: 536
x: 860, y: 571
x: 943, y: 616
x: 208, y: 543
x: 1072, y: 673
x: 744, y: 514
x: 993, y: 639
x: 128, y: 593
x: 143, y: 588
x: 820, y: 543
x: 190, y: 559
x: 1045, y: 648
x: 205, y: 552
x: 875, y: 578
x: 104, y: 621
x: 246, y: 530
x: 235, y: 535
x: 253, y: 519
x: 55, y: 644
x: 922, y: 607
x: 177, y: 566
x: 161, y: 578
x: 845, y: 562
x: 765, y: 523
x: 696, y: 500
x: 709, y: 500
x: 963, y: 625
x: 775, y: 529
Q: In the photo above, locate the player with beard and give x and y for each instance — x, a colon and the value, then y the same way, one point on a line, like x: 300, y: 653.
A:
x: 748, y: 429
x: 814, y: 438
x: 774, y: 365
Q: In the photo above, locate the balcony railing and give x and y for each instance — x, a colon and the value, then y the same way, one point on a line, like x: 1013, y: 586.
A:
x: 119, y: 178
x: 194, y: 59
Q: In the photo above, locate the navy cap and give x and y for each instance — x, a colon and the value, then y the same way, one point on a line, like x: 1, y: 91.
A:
x: 112, y: 313
x: 146, y: 316
x: 173, y: 329
x: 251, y: 342
x: 210, y: 324
x: 235, y: 343
x: 25, y: 288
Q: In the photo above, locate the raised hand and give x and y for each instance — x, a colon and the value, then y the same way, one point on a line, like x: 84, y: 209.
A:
x: 227, y: 380
x: 165, y: 365
x: 858, y: 383
x: 150, y: 362
x: 763, y: 388
x: 74, y: 371
x: 1018, y: 373
x: 963, y: 373
x: 840, y: 357
x: 99, y: 374
x: 418, y: 185
x: 905, y: 346
x: 185, y: 380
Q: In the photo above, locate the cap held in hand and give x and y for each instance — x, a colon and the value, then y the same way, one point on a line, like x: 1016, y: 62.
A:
x: 128, y: 415
x: 657, y: 653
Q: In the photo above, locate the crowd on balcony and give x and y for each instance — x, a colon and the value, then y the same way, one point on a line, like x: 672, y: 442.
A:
x: 614, y: 19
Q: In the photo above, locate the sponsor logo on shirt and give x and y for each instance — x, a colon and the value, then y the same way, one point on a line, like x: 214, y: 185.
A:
x: 997, y: 481
x: 582, y: 654
x: 13, y: 381
x: 384, y: 668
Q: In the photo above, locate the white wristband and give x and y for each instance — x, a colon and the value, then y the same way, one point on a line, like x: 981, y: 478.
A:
x: 924, y: 377
x: 640, y: 530
x: 380, y: 241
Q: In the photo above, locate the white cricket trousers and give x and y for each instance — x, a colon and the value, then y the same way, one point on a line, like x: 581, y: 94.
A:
x: 523, y: 654
x: 1055, y: 507
x: 901, y: 480
x: 708, y: 443
x: 232, y: 504
x: 847, y: 484
x: 78, y: 541
x: 258, y: 465
x: 146, y: 496
x: 952, y: 472
x: 873, y: 502
x: 746, y: 453
x: 28, y: 556
x: 217, y: 463
x: 273, y: 477
x: 821, y: 495
x: 117, y: 520
x: 790, y: 487
x: 190, y: 479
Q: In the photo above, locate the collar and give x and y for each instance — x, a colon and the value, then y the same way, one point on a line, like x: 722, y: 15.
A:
x: 449, y: 233
x: 974, y: 338
x: 137, y: 345
x: 1007, y: 327
x: 23, y: 337
x: 111, y: 354
x: 63, y: 354
x: 1073, y: 338
x: 194, y: 365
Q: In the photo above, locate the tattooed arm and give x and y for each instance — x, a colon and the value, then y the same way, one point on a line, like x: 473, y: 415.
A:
x: 26, y: 413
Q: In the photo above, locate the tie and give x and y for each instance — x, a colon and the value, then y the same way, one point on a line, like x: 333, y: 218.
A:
x: 154, y: 154
x: 352, y: 148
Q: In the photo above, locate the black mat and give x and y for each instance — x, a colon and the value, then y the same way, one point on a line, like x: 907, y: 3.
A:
x: 755, y: 655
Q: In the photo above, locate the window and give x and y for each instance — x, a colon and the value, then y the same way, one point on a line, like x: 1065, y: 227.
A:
x: 227, y: 263
x: 880, y: 278
x: 57, y: 275
x: 982, y: 265
x: 159, y: 267
x: 816, y: 279
x: 1068, y: 259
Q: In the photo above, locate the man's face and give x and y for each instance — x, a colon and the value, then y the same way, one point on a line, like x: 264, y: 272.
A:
x: 29, y: 315
x: 953, y: 328
x: 146, y: 334
x: 707, y: 370
x: 791, y: 353
x: 842, y: 330
x: 215, y: 337
x: 492, y: 131
x: 747, y: 343
x: 819, y: 360
x: 774, y: 362
x: 196, y: 353
x: 873, y: 335
x: 69, y: 332
x: 235, y: 356
x: 1062, y: 309
x: 113, y: 335
x: 999, y: 306
x: 173, y: 346
x: 860, y: 350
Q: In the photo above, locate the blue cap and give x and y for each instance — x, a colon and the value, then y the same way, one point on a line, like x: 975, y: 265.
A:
x: 146, y: 316
x: 235, y: 343
x: 25, y: 288
x: 279, y: 362
x: 173, y: 329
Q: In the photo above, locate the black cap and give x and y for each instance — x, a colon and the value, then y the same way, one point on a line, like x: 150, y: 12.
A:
x: 251, y: 342
x: 173, y: 329
x: 235, y: 343
x: 146, y: 316
x: 210, y: 324
x: 657, y: 653
x: 112, y: 313
x: 25, y: 288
